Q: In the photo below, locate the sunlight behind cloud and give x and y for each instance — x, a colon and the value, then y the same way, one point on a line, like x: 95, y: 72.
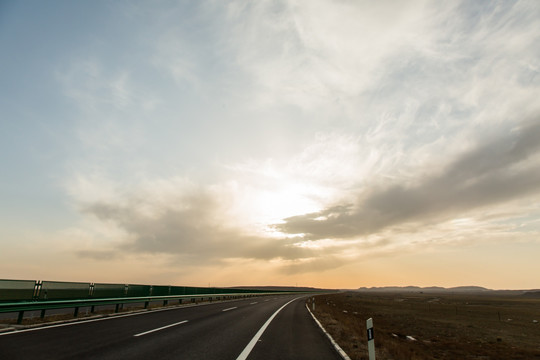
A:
x: 290, y: 140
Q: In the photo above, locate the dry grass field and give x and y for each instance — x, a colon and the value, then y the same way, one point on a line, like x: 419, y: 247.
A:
x: 442, y: 326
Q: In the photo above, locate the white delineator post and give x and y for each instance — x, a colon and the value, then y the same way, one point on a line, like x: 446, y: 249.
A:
x: 371, y: 339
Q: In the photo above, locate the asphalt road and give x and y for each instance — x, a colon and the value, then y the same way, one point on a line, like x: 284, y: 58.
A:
x: 243, y: 329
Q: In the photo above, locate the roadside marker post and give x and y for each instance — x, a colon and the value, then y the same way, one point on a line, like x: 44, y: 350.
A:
x: 313, y: 303
x: 371, y: 339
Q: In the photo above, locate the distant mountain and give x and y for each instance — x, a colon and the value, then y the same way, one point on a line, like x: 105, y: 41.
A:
x: 281, y: 288
x: 535, y: 294
x: 475, y: 289
x: 468, y: 289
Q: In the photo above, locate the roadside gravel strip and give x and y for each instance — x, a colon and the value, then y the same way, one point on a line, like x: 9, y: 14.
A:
x: 338, y: 348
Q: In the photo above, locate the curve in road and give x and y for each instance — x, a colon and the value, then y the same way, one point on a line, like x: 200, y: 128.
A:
x: 277, y: 328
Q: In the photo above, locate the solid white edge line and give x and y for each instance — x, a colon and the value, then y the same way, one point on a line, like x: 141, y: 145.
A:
x: 236, y: 307
x: 336, y: 346
x: 72, y: 323
x: 161, y: 328
x: 245, y: 353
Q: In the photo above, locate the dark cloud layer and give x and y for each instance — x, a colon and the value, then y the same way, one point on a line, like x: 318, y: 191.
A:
x: 189, y: 231
x: 495, y: 172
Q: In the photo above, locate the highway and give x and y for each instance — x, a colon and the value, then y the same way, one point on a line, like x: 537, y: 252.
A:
x: 275, y: 327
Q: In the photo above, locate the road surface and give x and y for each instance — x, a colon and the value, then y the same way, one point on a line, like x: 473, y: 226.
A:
x: 255, y: 328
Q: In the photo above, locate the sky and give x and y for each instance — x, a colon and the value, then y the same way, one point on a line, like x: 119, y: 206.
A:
x: 334, y: 144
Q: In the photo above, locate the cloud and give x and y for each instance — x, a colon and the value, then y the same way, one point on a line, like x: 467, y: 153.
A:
x: 355, y: 123
x: 102, y: 255
x: 501, y: 170
x: 93, y: 86
x: 190, y: 222
x: 313, y: 55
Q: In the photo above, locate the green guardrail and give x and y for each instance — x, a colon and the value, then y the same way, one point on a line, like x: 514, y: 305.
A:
x: 108, y: 290
x: 29, y: 295
x: 57, y: 290
x: 13, y: 290
x: 29, y: 290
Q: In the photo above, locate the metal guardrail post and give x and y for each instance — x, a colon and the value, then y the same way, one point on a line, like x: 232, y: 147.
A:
x: 20, y: 317
x: 42, y: 315
x: 37, y: 289
x: 76, y: 312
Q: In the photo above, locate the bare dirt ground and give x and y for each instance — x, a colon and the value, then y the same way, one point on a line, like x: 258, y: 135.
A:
x: 442, y: 326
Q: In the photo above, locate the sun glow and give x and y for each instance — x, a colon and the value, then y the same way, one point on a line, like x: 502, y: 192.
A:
x: 289, y: 200
x: 267, y: 193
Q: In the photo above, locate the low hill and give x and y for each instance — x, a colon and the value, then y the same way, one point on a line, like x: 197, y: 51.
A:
x: 532, y: 294
x: 468, y: 289
x: 281, y: 288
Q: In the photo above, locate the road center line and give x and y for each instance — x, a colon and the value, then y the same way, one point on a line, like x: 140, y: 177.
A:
x: 161, y: 328
x: 253, y: 303
x: 251, y: 345
x: 236, y: 307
